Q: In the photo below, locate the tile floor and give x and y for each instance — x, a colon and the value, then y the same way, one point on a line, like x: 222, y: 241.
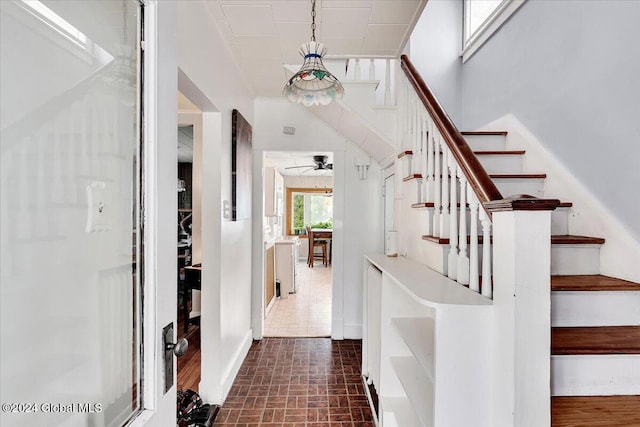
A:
x: 287, y: 382
x: 307, y: 313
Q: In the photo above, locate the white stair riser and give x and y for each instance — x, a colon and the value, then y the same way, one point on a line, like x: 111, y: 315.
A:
x: 486, y: 142
x: 560, y: 221
x: 436, y: 256
x: 575, y: 259
x: 565, y: 259
x: 503, y: 163
x: 512, y: 186
x: 595, y: 308
x: 595, y: 375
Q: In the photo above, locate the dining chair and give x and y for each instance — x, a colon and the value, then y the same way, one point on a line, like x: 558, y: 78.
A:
x: 313, y: 244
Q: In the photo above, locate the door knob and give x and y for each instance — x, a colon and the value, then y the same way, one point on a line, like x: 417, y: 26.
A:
x: 179, y: 348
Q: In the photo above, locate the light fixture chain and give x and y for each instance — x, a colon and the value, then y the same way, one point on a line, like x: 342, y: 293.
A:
x: 313, y: 20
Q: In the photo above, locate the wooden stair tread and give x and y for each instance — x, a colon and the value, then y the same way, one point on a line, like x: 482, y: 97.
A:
x: 576, y: 240
x: 595, y: 340
x: 518, y: 175
x: 591, y: 282
x: 485, y: 132
x: 431, y: 204
x: 405, y: 153
x: 595, y: 411
x: 498, y: 152
x: 413, y: 176
x: 562, y: 239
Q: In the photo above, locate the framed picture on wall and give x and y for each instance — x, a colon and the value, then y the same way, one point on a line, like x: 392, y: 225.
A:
x: 241, y: 167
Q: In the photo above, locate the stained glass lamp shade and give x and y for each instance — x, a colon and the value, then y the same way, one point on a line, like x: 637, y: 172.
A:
x: 313, y: 84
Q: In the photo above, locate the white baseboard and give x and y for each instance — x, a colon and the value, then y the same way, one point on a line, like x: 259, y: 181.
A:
x: 234, y: 367
x: 353, y: 332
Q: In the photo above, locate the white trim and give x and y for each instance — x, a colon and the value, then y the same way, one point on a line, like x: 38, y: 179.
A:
x: 352, y: 331
x: 151, y: 357
x: 230, y: 375
x: 490, y: 26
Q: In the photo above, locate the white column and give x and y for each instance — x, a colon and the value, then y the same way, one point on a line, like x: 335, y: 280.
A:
x: 521, y: 300
x: 372, y: 69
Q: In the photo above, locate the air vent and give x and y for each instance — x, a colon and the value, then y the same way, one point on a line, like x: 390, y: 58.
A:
x: 289, y: 130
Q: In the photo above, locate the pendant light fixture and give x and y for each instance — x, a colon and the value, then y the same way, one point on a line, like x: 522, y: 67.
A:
x: 313, y: 84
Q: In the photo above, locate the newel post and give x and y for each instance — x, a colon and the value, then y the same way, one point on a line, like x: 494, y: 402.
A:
x: 522, y: 301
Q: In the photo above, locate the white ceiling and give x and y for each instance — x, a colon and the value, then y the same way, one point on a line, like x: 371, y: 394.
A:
x: 264, y: 35
x: 282, y: 160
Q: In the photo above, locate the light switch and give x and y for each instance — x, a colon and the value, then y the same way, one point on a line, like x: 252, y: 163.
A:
x: 99, y: 207
x: 226, y: 209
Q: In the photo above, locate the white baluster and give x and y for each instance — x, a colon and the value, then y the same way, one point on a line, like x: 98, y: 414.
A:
x: 474, y: 276
x: 437, y: 201
x: 387, y: 83
x: 487, y: 290
x: 444, y: 217
x: 453, y: 220
x: 463, y: 258
x: 430, y: 161
x: 357, y: 74
x: 423, y: 152
x: 372, y: 69
x: 417, y: 135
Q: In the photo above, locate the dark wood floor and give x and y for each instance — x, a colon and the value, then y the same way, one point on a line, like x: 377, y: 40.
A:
x: 189, y: 363
x: 595, y: 411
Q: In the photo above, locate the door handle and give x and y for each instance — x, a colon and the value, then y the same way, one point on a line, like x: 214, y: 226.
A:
x: 179, y: 348
x: 171, y: 349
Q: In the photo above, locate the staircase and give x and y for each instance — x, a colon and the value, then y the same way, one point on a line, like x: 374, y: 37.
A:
x: 595, y: 337
x: 595, y: 319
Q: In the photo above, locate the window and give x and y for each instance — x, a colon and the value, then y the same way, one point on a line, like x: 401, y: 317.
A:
x: 482, y: 18
x: 309, y: 206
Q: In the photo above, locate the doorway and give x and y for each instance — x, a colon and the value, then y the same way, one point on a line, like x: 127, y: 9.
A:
x: 189, y: 242
x: 298, y: 197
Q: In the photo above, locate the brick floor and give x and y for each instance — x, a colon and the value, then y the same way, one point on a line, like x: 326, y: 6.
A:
x: 286, y: 382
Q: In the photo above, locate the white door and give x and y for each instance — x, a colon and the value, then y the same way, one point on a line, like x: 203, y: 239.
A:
x: 79, y: 344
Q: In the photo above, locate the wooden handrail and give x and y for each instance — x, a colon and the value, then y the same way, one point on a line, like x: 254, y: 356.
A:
x: 482, y: 185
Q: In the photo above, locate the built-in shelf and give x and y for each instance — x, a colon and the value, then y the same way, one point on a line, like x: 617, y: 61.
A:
x: 417, y: 386
x: 402, y: 410
x: 418, y: 334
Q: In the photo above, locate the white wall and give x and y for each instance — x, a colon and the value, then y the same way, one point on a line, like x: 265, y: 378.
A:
x: 569, y: 71
x: 434, y: 49
x: 226, y: 249
x: 294, y: 181
x: 357, y: 219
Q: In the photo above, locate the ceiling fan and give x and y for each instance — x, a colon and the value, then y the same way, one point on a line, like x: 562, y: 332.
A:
x: 320, y: 164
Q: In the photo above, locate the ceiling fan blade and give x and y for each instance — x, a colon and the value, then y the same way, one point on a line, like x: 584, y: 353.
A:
x: 296, y: 167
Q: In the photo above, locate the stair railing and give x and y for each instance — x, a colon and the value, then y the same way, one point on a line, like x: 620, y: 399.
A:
x: 448, y: 174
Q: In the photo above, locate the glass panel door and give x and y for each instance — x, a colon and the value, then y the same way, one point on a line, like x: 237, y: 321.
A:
x: 69, y: 181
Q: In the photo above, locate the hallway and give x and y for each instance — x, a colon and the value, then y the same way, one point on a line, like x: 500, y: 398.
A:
x: 298, y: 382
x: 307, y: 313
